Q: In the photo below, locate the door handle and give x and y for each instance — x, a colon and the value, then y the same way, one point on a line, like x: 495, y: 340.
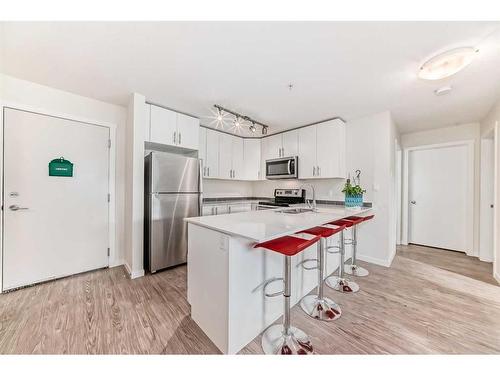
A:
x: 180, y: 137
x: 174, y: 137
x: 15, y: 207
x: 413, y: 202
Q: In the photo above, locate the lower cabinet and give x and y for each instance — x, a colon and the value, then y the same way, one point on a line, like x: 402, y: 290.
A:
x: 219, y: 209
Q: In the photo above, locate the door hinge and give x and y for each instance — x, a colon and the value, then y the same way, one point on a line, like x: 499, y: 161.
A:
x: 109, y: 197
x: 108, y: 251
x: 109, y: 143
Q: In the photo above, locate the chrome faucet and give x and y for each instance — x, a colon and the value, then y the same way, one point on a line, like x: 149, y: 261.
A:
x: 313, y: 205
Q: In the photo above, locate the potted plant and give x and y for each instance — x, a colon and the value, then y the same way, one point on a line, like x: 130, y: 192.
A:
x: 353, y: 192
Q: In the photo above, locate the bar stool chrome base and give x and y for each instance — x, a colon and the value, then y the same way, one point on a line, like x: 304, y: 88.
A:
x: 321, y: 309
x: 352, y: 269
x: 275, y: 341
x: 342, y: 285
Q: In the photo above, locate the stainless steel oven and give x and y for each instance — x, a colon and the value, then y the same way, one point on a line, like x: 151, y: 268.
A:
x: 282, y: 168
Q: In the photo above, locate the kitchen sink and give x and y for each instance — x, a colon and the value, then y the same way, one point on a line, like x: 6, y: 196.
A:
x: 295, y: 210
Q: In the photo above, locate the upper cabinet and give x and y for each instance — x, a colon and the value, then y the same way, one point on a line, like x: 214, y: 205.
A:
x: 322, y: 150
x: 251, y: 159
x: 209, y: 152
x: 175, y: 129
x: 280, y: 145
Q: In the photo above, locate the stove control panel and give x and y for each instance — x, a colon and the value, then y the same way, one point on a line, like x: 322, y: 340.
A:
x: 295, y: 193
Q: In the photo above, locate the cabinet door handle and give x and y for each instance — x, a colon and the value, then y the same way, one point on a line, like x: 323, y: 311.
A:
x: 318, y: 171
x: 282, y: 151
x: 234, y: 173
x: 314, y: 171
x: 180, y: 135
x: 208, y: 171
x: 174, y: 137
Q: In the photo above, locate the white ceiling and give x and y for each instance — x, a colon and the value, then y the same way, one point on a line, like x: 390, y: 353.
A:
x: 347, y: 69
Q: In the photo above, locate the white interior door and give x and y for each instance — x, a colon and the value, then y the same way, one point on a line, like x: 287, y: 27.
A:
x: 63, y: 229
x: 440, y: 199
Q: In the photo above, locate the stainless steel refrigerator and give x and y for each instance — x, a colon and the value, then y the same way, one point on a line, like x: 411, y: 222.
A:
x: 173, y: 191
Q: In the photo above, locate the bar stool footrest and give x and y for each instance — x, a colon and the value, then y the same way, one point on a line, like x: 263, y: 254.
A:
x: 311, y: 267
x: 270, y: 281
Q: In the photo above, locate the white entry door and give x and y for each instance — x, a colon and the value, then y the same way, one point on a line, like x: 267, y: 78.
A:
x: 53, y: 226
x: 440, y: 197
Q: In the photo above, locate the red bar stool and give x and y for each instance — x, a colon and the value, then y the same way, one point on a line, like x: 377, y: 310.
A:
x: 340, y: 283
x: 353, y: 268
x: 284, y: 338
x: 317, y: 305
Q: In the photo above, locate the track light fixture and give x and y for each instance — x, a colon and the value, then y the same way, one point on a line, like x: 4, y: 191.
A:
x: 239, y: 119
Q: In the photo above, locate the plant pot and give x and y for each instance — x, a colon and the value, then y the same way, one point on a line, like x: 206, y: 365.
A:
x: 354, y: 200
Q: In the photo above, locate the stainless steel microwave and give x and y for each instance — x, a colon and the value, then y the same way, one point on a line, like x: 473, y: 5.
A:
x: 282, y: 168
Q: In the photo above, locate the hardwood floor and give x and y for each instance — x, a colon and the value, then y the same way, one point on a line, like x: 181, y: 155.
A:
x: 412, y: 307
x: 453, y: 261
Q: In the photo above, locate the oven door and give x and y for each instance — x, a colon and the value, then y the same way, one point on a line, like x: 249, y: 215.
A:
x: 282, y: 168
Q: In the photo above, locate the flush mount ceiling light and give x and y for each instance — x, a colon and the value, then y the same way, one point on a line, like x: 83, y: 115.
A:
x: 239, y: 120
x: 448, y: 63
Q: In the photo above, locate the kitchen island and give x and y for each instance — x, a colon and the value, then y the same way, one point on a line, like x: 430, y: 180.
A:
x: 226, y: 273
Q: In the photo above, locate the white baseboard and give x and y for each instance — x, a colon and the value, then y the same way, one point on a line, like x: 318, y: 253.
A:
x: 116, y: 263
x: 377, y: 261
x: 133, y: 274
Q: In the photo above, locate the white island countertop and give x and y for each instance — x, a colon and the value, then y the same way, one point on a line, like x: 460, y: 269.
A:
x: 265, y: 225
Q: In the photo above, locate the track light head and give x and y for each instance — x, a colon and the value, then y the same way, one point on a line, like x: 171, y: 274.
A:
x: 219, y: 114
x: 264, y: 130
x: 252, y: 127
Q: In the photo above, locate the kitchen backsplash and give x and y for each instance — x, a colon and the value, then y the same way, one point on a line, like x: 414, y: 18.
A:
x: 328, y: 189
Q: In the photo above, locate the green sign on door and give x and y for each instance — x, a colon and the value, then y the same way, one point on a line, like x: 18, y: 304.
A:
x: 61, y: 168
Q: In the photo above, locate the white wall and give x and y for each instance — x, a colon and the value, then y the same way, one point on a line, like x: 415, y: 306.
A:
x: 371, y: 144
x: 137, y: 131
x: 465, y: 132
x: 15, y: 91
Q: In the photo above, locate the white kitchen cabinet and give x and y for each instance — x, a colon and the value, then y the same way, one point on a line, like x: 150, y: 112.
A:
x: 211, y: 169
x: 290, y: 143
x: 307, y: 152
x: 252, y: 159
x: 202, y: 141
x: 239, y: 207
x: 225, y: 156
x: 175, y: 129
x: 238, y: 159
x: 230, y: 157
x: 322, y: 150
x: 187, y: 131
x: 163, y: 126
